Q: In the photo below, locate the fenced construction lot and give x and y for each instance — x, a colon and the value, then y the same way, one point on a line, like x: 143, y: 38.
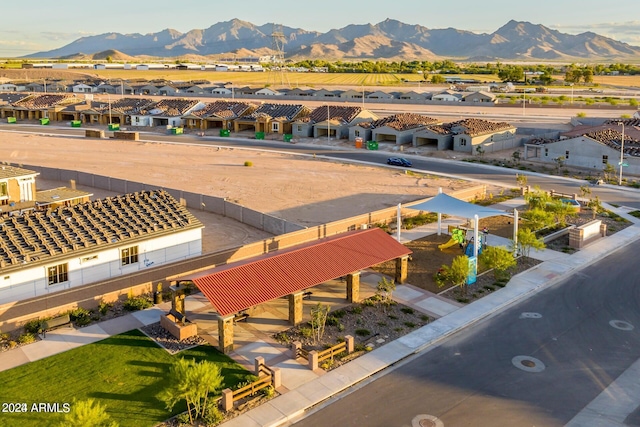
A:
x: 125, y: 373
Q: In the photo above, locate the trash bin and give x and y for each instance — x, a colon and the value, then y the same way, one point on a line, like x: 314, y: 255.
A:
x: 224, y: 132
x: 76, y: 123
x: 259, y: 135
x: 287, y: 137
x: 359, y: 142
x: 11, y: 120
x: 372, y: 145
x: 44, y: 121
x: 114, y: 126
x: 177, y: 131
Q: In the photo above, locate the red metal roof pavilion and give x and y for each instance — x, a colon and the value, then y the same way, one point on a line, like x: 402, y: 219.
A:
x: 235, y: 287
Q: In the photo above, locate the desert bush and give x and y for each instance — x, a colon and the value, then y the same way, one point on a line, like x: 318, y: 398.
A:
x: 407, y: 310
x: 104, y: 307
x: 34, y: 326
x: 136, y: 303
x: 27, y: 338
x: 363, y: 332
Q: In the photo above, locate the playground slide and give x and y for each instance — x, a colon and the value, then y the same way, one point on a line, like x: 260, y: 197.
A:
x: 450, y: 243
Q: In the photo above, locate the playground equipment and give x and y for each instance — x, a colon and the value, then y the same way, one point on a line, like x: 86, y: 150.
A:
x: 468, y: 250
x: 457, y: 238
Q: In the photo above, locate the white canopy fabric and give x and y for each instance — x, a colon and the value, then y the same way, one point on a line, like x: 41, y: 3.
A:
x: 445, y: 204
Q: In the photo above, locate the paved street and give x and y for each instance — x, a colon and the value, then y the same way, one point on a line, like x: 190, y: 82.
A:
x: 575, y: 339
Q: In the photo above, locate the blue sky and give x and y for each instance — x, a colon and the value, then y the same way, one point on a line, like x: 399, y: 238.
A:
x: 38, y: 25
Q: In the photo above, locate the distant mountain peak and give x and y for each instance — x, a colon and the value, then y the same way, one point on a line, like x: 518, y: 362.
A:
x: 388, y: 39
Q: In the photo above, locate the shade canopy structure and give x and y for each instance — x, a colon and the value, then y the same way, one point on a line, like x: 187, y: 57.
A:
x: 445, y: 204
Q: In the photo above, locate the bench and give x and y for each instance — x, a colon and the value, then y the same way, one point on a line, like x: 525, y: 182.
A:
x: 307, y: 295
x: 56, y: 322
x: 241, y: 317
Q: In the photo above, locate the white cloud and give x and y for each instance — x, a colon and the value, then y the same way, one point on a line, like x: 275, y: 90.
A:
x: 57, y: 35
x: 628, y: 32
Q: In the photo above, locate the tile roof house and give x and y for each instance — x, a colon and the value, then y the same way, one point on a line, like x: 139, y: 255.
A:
x: 470, y: 133
x: 480, y: 97
x: 44, y: 105
x: 167, y: 112
x: 271, y: 118
x: 49, y: 251
x: 218, y: 114
x: 400, y: 128
x: 334, y: 120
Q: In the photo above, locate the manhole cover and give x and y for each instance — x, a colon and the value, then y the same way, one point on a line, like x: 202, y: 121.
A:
x: 530, y: 316
x: 622, y: 325
x: 528, y: 364
x: 426, y: 421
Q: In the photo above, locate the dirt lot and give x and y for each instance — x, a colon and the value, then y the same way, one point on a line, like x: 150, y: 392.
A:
x: 304, y: 190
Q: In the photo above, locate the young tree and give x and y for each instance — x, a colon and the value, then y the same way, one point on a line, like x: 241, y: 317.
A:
x: 457, y: 273
x: 87, y: 413
x: 559, y: 163
x: 527, y: 240
x: 516, y: 157
x: 191, y: 382
x: 479, y: 150
x: 538, y: 218
x: 608, y: 171
x: 537, y: 199
x: 437, y: 79
x: 521, y: 179
x: 385, y: 290
x: 596, y: 206
x: 585, y: 190
x: 561, y: 211
x: 319, y: 315
x: 497, y: 258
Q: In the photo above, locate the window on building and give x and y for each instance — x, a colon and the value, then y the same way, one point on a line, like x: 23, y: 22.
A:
x: 275, y: 127
x: 4, y: 191
x: 566, y: 155
x: 605, y: 159
x: 137, y: 119
x: 463, y: 142
x: 546, y: 152
x: 299, y: 128
x: 357, y: 133
x: 129, y: 255
x: 58, y: 273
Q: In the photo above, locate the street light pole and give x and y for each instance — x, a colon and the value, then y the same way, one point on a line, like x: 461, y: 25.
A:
x: 621, y: 153
x: 328, y: 125
x: 571, y: 92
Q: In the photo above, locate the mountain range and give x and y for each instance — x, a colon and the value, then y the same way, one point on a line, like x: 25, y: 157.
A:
x: 389, y: 39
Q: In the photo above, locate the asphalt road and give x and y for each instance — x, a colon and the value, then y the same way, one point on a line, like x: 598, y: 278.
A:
x: 471, y: 380
x: 492, y: 175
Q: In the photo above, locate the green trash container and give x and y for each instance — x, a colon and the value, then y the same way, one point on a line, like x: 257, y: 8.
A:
x: 177, y: 131
x: 44, y: 121
x: 259, y: 135
x: 372, y: 145
x: 76, y: 123
x: 287, y: 137
x: 225, y: 132
x: 11, y: 120
x: 114, y: 126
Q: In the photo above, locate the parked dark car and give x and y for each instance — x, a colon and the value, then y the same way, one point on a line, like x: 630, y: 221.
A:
x: 399, y: 161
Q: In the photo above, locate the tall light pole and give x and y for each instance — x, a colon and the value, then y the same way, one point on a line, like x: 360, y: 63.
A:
x: 524, y: 101
x: 571, y: 92
x: 621, y: 153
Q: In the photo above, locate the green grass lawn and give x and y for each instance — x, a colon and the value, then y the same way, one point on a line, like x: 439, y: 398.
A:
x: 125, y: 373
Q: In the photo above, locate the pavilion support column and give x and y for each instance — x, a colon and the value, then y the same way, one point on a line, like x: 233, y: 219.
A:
x: 353, y: 287
x: 401, y: 269
x: 225, y: 333
x: 295, y: 308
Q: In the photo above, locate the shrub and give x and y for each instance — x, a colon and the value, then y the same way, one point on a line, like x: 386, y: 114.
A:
x: 407, y: 310
x: 332, y: 321
x: 363, y: 332
x: 356, y: 310
x: 397, y: 329
x: 369, y: 302
x: 282, y: 337
x: 27, y: 338
x: 4, y: 337
x: 136, y: 303
x: 306, y: 332
x: 393, y: 317
x: 327, y: 364
x: 248, y: 163
x: 340, y: 327
x: 339, y: 313
x: 34, y: 326
x: 268, y: 392
x: 409, y: 324
x: 382, y: 323
x: 104, y: 307
x: 80, y: 316
x: 211, y: 414
x: 424, y: 318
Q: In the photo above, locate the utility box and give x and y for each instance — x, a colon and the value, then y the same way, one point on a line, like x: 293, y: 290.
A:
x: 44, y: 121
